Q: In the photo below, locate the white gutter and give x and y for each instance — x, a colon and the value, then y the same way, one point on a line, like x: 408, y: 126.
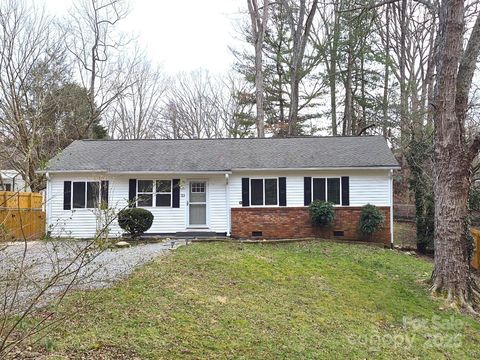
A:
x: 391, y: 209
x: 320, y: 168
x: 130, y: 172
x: 219, y: 172
x: 69, y: 171
x: 169, y: 172
x: 229, y: 207
x: 48, y: 207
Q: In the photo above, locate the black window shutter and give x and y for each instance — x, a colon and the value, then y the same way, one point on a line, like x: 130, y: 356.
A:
x: 282, y: 191
x: 67, y: 195
x: 245, y: 192
x: 132, y: 192
x: 307, y: 191
x: 104, y: 193
x: 345, y: 190
x: 176, y: 193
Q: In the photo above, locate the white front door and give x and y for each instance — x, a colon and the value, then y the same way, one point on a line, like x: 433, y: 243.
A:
x: 197, y: 203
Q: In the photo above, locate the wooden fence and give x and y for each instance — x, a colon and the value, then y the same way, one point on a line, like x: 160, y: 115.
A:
x: 21, y: 216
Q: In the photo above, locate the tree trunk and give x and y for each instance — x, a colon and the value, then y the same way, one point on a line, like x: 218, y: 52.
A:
x: 386, y: 75
x: 301, y: 35
x: 452, y: 163
x: 259, y: 90
x: 333, y: 71
x: 348, y: 113
x: 333, y: 97
x: 279, y: 69
x: 403, y: 78
x: 259, y: 24
x: 452, y: 182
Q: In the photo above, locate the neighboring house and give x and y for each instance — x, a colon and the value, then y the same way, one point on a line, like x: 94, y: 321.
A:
x: 242, y: 188
x: 11, y: 180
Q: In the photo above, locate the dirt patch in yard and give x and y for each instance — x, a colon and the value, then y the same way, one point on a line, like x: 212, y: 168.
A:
x: 405, y: 235
x: 104, y: 352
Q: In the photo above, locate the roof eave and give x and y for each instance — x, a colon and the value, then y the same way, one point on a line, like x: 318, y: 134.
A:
x: 69, y: 171
x: 382, y: 167
x: 129, y: 172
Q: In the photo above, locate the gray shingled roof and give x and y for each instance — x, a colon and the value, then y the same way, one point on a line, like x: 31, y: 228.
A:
x: 224, y: 154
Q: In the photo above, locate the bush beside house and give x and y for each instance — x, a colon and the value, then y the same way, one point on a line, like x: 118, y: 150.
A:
x: 135, y: 221
x: 371, y: 219
x: 321, y: 213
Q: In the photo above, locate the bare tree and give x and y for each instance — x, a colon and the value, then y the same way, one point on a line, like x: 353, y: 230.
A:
x: 31, y: 65
x: 135, y: 113
x: 301, y: 27
x: 259, y: 18
x: 98, y: 51
x: 407, y: 31
x: 235, y: 107
x: 200, y: 105
x: 330, y: 24
x: 192, y: 106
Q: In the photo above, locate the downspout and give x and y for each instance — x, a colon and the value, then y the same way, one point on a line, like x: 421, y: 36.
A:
x: 391, y: 208
x: 45, y: 202
x: 227, y: 200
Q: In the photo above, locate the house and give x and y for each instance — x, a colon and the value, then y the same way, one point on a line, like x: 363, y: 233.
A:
x: 11, y: 180
x: 242, y: 188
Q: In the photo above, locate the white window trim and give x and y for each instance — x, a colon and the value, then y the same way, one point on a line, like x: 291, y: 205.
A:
x: 86, y: 199
x: 154, y: 193
x: 263, y: 191
x: 326, y: 187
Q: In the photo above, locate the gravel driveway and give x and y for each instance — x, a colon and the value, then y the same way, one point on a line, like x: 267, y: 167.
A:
x: 46, y: 260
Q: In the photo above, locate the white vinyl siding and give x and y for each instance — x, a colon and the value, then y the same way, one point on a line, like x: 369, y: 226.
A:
x: 217, y: 204
x: 370, y: 189
x: 82, y: 223
x: 366, y: 186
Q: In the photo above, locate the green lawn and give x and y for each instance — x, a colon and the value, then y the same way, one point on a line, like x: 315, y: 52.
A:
x: 291, y: 301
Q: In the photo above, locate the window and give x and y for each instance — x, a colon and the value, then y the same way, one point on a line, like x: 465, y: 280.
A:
x: 326, y: 189
x: 256, y: 192
x: 145, y: 193
x: 198, y: 187
x: 318, y: 189
x: 164, y: 193
x: 264, y: 191
x: 333, y: 190
x: 271, y: 189
x: 85, y: 194
x: 154, y: 193
x: 93, y: 194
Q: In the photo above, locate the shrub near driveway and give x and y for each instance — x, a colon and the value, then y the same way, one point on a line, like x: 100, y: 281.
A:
x: 135, y: 220
x: 317, y: 300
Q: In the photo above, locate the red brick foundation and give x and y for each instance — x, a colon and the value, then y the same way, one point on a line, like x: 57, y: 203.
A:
x: 294, y: 222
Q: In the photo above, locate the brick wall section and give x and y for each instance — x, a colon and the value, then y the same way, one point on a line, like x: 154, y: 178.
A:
x: 294, y: 222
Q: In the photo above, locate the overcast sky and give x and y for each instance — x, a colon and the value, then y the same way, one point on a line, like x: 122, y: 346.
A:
x: 181, y: 35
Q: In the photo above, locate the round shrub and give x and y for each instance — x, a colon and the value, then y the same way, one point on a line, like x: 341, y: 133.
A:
x: 371, y: 219
x: 321, y: 213
x: 135, y: 220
